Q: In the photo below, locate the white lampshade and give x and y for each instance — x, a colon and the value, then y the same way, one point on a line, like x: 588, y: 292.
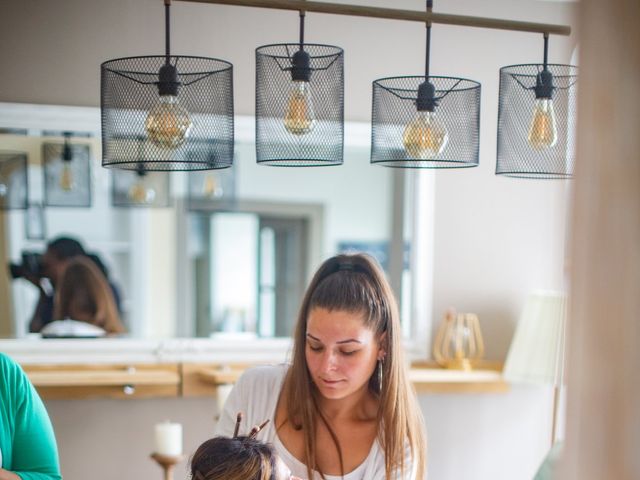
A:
x: 536, y: 352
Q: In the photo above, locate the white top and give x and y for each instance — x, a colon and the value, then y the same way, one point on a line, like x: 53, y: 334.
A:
x: 72, y: 328
x: 256, y: 396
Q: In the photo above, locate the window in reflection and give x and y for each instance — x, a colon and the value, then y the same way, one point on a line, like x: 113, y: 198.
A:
x: 247, y: 262
x: 251, y: 277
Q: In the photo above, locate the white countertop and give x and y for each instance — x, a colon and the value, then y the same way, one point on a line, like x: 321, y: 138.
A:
x: 35, y: 350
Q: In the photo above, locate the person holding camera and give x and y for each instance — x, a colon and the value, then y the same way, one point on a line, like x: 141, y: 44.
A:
x: 45, y: 273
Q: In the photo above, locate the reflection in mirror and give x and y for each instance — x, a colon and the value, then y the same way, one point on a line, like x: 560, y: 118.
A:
x: 235, y: 248
x: 247, y: 262
x: 67, y: 173
x: 13, y: 180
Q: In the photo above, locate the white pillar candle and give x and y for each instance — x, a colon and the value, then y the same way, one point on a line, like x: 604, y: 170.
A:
x: 168, y: 438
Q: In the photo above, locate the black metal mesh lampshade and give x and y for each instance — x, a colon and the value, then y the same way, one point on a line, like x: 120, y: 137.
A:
x: 299, y: 106
x: 535, y: 129
x: 193, y: 102
x: 135, y: 189
x: 67, y: 174
x: 14, y: 187
x: 412, y: 131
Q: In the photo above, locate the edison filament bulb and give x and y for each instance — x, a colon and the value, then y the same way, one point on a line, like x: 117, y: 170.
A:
x: 211, y: 188
x: 168, y: 124
x: 425, y: 137
x: 543, y: 131
x: 66, y: 181
x: 138, y: 193
x: 299, y: 117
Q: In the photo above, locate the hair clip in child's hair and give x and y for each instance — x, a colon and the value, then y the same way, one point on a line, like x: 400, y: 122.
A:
x: 254, y: 431
x: 238, y: 420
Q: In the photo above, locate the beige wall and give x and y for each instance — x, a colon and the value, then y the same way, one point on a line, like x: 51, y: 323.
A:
x: 495, y: 238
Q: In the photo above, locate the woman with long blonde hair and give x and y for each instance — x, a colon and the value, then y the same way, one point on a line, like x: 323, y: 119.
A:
x: 83, y: 294
x: 344, y: 408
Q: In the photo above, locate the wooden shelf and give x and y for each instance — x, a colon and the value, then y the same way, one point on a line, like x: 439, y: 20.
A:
x: 71, y: 378
x: 111, y: 381
x: 425, y: 379
x: 192, y: 380
x: 431, y: 380
x: 218, y: 376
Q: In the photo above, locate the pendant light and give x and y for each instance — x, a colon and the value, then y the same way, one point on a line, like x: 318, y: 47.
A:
x: 213, y: 189
x: 14, y: 187
x: 171, y: 101
x: 139, y: 187
x: 536, y: 115
x: 299, y: 104
x: 425, y: 122
x: 67, y: 173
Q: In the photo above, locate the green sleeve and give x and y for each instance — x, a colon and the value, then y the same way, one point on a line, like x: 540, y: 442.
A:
x: 34, y: 451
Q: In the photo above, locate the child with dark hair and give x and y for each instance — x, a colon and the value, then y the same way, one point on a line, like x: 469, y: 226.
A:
x: 238, y: 458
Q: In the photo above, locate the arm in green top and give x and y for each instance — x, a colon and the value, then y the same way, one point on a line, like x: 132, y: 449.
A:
x: 34, y: 454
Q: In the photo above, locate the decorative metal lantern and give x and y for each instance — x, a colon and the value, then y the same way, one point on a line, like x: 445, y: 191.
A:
x: 67, y: 174
x: 536, y: 120
x: 426, y: 121
x: 299, y: 104
x: 14, y: 187
x: 170, y: 101
x: 458, y: 343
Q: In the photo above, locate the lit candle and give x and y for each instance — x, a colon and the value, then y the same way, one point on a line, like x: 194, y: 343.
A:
x: 168, y: 438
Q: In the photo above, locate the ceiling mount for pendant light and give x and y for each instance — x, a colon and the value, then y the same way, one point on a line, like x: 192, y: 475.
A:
x: 299, y: 104
x: 425, y: 122
x: 536, y: 116
x: 170, y: 101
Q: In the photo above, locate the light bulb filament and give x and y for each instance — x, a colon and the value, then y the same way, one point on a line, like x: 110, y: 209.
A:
x: 210, y: 188
x: 168, y: 124
x: 299, y: 117
x: 138, y: 193
x: 66, y: 182
x: 543, y: 132
x: 425, y: 137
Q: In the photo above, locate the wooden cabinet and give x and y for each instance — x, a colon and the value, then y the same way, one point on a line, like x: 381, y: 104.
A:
x: 201, y: 379
x: 105, y: 381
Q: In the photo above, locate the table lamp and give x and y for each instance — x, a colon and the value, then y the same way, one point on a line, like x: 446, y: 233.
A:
x: 537, y: 350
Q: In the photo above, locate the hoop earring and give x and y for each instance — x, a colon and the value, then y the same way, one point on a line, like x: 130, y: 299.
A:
x: 379, y: 376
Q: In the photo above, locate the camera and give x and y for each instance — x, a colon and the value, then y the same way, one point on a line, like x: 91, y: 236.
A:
x: 31, y: 266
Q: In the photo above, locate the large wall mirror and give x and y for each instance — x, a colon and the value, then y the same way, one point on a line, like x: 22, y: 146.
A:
x: 211, y: 254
